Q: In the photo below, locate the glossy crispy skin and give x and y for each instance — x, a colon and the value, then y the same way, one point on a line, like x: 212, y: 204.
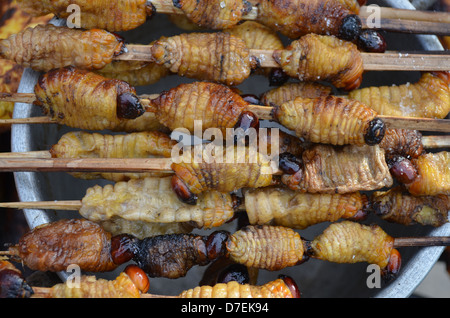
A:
x: 347, y: 169
x: 351, y: 242
x: 295, y: 18
x: 259, y: 37
x: 213, y: 14
x: 80, y: 144
x: 216, y: 105
x: 328, y: 120
x: 266, y: 247
x: 13, y: 20
x: 398, y: 206
x: 81, y: 99
x: 92, y: 287
x: 273, y: 289
x: 45, y: 47
x: 54, y: 246
x: 429, y: 97
x: 290, y: 91
x: 152, y: 200
x: 111, y: 15
x: 246, y: 168
x: 217, y: 57
x: 135, y: 73
x: 285, y: 207
x: 171, y: 256
x: 323, y: 58
x: 402, y: 142
x: 433, y: 174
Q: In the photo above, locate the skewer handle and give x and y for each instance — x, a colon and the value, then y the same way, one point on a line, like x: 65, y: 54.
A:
x: 405, y: 14
x: 45, y: 292
x: 51, y: 205
x: 86, y: 165
x: 422, y: 241
x: 422, y: 124
x: 436, y: 141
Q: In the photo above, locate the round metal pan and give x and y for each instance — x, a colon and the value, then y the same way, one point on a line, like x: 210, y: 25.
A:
x: 315, y: 278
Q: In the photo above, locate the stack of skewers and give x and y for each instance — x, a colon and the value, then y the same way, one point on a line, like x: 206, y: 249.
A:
x: 346, y: 152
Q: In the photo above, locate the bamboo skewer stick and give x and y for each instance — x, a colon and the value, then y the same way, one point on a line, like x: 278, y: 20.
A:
x: 45, y: 292
x: 262, y: 112
x: 86, y: 165
x: 405, y: 14
x: 428, y: 142
x: 388, y: 61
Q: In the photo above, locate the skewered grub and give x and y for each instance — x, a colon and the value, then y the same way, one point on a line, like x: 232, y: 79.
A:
x: 398, y: 206
x: 80, y: 144
x: 45, y: 47
x: 322, y: 58
x: 86, y: 100
x: 326, y: 169
x: 116, y: 15
x: 331, y: 120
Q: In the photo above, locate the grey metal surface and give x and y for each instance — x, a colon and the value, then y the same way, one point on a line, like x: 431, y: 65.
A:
x: 315, y: 278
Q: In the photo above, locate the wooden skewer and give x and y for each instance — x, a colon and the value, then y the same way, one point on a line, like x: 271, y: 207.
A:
x: 86, y: 165
x: 76, y: 205
x: 390, y: 19
x: 45, y: 292
x: 405, y: 14
x: 428, y: 142
x: 388, y: 61
x: 262, y: 112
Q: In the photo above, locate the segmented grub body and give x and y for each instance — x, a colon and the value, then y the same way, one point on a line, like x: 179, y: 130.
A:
x: 217, y: 57
x: 402, y: 142
x: 135, y: 73
x: 54, y: 246
x: 326, y: 169
x: 433, y: 174
x: 215, y: 105
x: 46, y: 47
x: 285, y: 207
x: 398, y: 206
x: 351, y: 242
x: 234, y: 169
x: 290, y: 91
x: 172, y: 255
x: 214, y: 14
x: 327, y: 120
x: 273, y: 289
x: 115, y: 15
x: 92, y: 287
x: 266, y: 247
x: 152, y: 200
x: 295, y: 18
x: 257, y: 37
x: 429, y: 97
x: 323, y: 58
x: 80, y: 144
x: 82, y: 99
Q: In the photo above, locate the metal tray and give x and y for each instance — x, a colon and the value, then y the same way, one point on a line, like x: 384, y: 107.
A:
x: 315, y: 278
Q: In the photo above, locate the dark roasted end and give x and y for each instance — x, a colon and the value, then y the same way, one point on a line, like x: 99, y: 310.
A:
x: 350, y: 28
x: 375, y: 132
